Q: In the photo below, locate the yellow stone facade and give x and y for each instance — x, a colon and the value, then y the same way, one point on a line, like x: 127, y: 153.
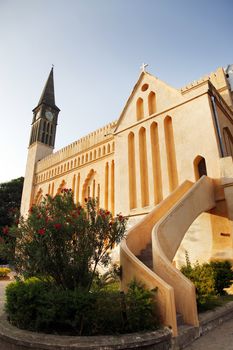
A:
x: 86, y: 166
x: 163, y: 137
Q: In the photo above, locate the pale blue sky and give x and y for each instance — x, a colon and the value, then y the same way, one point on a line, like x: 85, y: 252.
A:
x: 97, y: 47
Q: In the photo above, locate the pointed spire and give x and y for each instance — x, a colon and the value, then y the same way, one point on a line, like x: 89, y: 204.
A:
x: 48, y: 96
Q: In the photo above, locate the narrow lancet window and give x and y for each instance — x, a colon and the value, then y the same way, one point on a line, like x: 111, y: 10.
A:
x: 112, y: 186
x: 140, y: 109
x: 171, y: 153
x: 106, y: 185
x: 132, y: 171
x: 152, y: 103
x: 143, y: 168
x: 156, y: 163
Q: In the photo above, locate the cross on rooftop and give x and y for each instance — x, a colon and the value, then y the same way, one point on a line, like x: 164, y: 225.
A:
x: 143, y: 67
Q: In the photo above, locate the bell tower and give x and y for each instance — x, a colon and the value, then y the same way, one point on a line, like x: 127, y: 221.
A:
x: 42, y: 138
x: 45, y: 115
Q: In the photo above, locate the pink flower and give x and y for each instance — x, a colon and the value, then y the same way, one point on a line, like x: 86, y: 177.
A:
x: 57, y: 226
x: 47, y: 219
x: 5, y: 230
x: 31, y: 210
x: 41, y: 231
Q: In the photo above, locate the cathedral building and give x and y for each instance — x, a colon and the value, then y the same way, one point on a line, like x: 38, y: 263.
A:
x: 163, y: 137
x: 166, y: 163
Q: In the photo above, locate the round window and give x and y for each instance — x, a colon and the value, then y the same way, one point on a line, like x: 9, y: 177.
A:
x: 144, y: 87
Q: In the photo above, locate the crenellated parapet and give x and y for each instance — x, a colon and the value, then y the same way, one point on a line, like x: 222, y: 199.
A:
x: 217, y: 78
x: 96, y: 137
x: 194, y: 84
x: 79, y: 153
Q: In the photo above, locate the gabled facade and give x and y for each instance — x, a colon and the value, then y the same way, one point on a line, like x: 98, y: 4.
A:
x: 163, y: 137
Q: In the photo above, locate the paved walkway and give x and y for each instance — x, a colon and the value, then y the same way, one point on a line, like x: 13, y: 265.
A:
x: 220, y: 338
x: 3, y: 284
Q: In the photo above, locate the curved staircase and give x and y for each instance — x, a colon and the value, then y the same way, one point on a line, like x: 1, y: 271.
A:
x: 150, y: 246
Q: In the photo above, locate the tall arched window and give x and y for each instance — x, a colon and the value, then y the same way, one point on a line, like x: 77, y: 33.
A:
x: 143, y: 168
x: 106, y: 185
x: 228, y: 141
x: 73, y: 185
x: 52, y: 191
x: 98, y: 196
x: 156, y: 163
x: 152, y: 103
x: 78, y: 189
x: 62, y: 185
x: 199, y: 165
x: 93, y: 188
x: 112, y: 186
x: 140, y: 109
x: 132, y: 171
x: 171, y: 153
x: 38, y: 197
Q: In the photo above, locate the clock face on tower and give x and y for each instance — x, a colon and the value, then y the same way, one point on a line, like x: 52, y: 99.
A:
x: 49, y: 115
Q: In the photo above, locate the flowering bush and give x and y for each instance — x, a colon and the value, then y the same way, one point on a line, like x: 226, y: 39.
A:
x: 63, y: 241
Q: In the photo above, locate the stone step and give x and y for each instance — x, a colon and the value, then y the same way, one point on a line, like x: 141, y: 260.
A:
x: 148, y: 263
x: 145, y: 256
x: 186, y: 335
x: 179, y: 319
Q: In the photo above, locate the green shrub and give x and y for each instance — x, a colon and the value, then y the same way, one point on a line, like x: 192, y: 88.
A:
x: 140, y: 307
x: 4, y: 271
x: 41, y: 306
x: 203, y: 278
x: 223, y: 275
